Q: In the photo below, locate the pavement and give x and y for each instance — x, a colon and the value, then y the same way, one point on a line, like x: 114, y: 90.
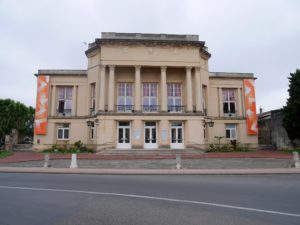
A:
x: 259, y: 162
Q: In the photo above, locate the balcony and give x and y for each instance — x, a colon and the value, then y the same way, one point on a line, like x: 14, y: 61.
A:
x: 150, y: 108
x: 176, y: 108
x: 64, y: 112
x: 124, y: 108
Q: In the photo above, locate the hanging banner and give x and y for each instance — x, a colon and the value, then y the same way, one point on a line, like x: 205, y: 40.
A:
x: 250, y: 106
x: 40, y: 123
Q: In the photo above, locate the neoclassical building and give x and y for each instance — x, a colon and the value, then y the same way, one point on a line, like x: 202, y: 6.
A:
x: 145, y: 91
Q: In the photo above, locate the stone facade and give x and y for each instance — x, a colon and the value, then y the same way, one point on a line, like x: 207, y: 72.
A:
x: 145, y: 91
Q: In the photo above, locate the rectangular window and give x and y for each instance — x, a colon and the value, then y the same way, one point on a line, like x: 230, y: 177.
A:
x: 230, y: 131
x: 229, y: 99
x: 63, y: 131
x: 174, y: 98
x: 204, y: 98
x: 125, y: 97
x: 92, y: 131
x: 150, y: 97
x: 65, y: 100
x: 93, y: 99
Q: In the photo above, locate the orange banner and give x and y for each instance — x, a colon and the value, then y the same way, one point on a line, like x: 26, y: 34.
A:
x: 250, y: 106
x: 40, y: 123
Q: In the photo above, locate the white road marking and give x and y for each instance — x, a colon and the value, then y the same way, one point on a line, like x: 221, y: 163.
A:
x: 153, y: 198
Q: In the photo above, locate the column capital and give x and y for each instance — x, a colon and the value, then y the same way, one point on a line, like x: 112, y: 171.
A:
x: 188, y: 68
x: 163, y: 68
x: 137, y: 67
x: 197, y: 68
x: 111, y: 67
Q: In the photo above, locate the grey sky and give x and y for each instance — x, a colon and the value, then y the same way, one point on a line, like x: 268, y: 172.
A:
x: 262, y: 37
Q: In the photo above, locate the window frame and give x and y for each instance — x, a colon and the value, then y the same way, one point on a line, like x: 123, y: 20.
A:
x: 149, y: 88
x: 226, y: 93
x: 174, y: 97
x: 63, y: 127
x: 231, y: 129
x: 65, y: 100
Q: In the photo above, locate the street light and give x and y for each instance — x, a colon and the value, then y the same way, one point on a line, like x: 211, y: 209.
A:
x: 208, y: 122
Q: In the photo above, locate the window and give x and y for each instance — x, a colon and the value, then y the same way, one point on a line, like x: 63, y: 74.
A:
x: 125, y: 99
x: 204, y: 91
x: 174, y: 98
x: 92, y: 131
x: 230, y: 131
x: 150, y: 97
x: 63, y: 131
x: 229, y: 101
x: 65, y: 100
x: 93, y: 99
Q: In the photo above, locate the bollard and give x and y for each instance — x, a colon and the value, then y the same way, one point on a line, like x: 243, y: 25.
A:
x: 296, y: 162
x: 74, y: 161
x: 178, y: 161
x: 47, y: 160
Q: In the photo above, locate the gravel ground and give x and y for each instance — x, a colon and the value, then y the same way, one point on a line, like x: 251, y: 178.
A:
x: 229, y: 163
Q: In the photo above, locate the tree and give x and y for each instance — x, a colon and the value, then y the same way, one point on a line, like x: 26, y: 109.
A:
x: 291, y: 112
x: 15, y: 115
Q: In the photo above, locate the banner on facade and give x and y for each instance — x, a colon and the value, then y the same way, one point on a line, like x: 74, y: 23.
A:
x: 250, y: 104
x: 40, y: 122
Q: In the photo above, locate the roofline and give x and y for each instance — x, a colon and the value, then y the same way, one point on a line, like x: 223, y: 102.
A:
x: 61, y: 72
x: 232, y: 75
x: 99, y: 41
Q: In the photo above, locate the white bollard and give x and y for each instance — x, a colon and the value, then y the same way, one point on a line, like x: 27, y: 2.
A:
x: 74, y: 161
x: 47, y: 160
x: 296, y: 162
x: 178, y: 161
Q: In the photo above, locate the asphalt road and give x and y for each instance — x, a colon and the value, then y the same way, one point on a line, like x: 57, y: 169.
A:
x: 36, y: 199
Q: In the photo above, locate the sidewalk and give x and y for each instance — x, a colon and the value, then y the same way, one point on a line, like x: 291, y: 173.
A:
x: 260, y: 162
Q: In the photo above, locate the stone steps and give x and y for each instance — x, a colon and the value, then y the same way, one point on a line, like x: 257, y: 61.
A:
x: 148, y: 152
x: 22, y: 147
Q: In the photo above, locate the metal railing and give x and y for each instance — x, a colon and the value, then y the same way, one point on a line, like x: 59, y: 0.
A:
x: 64, y: 112
x: 150, y: 108
x: 176, y: 108
x: 124, y: 108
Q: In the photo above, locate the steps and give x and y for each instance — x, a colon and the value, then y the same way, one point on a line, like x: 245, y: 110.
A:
x: 22, y: 147
x: 156, y: 152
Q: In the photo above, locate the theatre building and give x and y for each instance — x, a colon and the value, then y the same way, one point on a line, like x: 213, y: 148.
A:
x: 145, y: 91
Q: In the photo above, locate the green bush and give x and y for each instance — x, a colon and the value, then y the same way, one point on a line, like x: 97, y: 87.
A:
x: 77, y: 147
x: 4, y: 153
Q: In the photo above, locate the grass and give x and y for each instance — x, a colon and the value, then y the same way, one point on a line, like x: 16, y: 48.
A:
x: 290, y: 150
x: 4, y: 153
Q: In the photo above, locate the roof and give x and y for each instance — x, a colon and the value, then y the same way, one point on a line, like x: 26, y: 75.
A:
x: 148, y: 39
x: 231, y: 75
x: 62, y: 72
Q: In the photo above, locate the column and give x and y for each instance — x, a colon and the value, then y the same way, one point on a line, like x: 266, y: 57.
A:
x: 220, y: 102
x: 189, y: 96
x: 239, y: 96
x: 53, y: 101
x: 199, y: 97
x: 163, y: 88
x: 137, y: 89
x: 74, y: 100
x: 111, y: 89
x: 102, y: 88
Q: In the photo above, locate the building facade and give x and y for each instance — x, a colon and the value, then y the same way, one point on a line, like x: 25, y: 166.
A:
x: 145, y: 91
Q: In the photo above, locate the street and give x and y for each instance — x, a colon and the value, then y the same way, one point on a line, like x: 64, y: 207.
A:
x: 161, y: 199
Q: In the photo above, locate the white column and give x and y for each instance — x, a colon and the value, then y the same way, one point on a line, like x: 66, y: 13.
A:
x: 220, y: 102
x: 199, y: 97
x: 239, y: 96
x: 189, y: 96
x: 102, y: 88
x: 74, y: 100
x: 163, y: 88
x: 137, y: 89
x: 53, y: 101
x: 111, y: 89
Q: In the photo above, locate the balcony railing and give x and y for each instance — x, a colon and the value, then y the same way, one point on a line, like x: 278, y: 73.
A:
x: 150, y: 108
x: 124, y: 108
x: 176, y: 108
x: 63, y: 112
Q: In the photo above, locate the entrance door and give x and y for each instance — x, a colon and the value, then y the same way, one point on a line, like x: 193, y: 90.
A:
x: 150, y: 141
x: 177, y: 135
x: 124, y: 141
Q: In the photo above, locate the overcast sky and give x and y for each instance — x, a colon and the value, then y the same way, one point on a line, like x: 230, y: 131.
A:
x: 262, y: 37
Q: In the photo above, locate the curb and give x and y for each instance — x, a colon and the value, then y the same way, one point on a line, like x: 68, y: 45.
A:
x: 149, y: 171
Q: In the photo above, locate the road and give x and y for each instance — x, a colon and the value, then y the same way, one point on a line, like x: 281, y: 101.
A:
x: 36, y: 199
